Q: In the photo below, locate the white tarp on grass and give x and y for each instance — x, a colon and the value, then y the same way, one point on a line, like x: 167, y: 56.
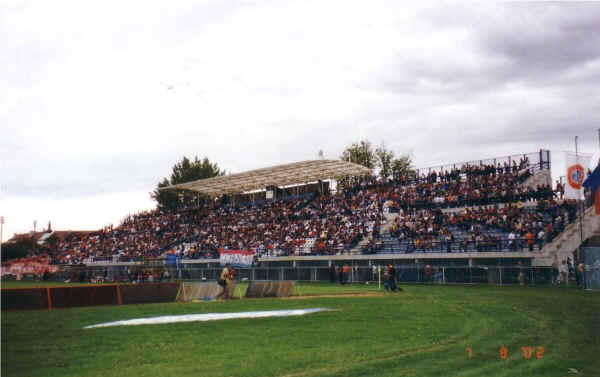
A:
x: 208, y: 317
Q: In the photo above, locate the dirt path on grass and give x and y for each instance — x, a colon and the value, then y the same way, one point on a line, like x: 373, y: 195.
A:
x: 334, y: 295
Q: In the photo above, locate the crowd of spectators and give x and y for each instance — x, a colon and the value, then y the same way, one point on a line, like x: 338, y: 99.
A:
x: 333, y: 223
x: 469, y: 186
x: 488, y: 228
x: 142, y: 235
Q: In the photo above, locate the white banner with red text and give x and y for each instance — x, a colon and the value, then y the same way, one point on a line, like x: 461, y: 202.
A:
x: 237, y: 258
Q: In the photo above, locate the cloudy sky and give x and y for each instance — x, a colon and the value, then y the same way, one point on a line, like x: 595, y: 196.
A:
x: 99, y: 99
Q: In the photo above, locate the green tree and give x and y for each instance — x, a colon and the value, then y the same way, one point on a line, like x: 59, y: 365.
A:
x: 402, y: 167
x: 52, y: 243
x: 19, y: 249
x: 384, y: 161
x: 360, y: 153
x: 184, y: 171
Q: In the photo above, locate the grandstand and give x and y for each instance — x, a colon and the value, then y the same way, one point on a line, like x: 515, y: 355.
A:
x: 499, y: 211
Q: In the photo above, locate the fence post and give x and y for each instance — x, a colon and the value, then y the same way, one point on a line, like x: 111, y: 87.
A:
x: 49, y: 298
x: 443, y: 275
x: 119, y: 299
x: 500, y: 274
x: 532, y: 276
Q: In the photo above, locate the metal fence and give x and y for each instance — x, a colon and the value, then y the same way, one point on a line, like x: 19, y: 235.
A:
x: 414, y: 273
x: 591, y: 260
x: 537, y: 160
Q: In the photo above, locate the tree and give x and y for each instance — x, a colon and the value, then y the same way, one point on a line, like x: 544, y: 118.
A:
x: 184, y: 171
x: 360, y: 153
x: 19, y: 249
x: 52, y: 242
x: 384, y: 161
x: 402, y: 167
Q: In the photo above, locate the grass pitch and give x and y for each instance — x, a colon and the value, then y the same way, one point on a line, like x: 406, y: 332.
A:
x: 423, y: 331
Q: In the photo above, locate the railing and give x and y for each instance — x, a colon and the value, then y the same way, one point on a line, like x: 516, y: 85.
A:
x: 509, y: 198
x: 461, y: 246
x: 382, y: 246
x: 539, y: 160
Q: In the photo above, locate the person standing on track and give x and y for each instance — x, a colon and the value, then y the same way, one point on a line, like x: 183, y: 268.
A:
x: 390, y: 278
x: 225, y: 281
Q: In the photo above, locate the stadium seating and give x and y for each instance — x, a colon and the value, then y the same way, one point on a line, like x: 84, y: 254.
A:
x: 467, y: 209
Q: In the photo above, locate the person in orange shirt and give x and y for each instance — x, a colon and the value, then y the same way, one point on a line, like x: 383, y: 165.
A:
x: 529, y: 237
x: 345, y: 271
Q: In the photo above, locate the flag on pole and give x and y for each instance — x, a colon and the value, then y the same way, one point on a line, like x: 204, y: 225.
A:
x: 576, y: 172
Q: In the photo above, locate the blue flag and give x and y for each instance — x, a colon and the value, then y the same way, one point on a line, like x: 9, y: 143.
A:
x: 593, y: 182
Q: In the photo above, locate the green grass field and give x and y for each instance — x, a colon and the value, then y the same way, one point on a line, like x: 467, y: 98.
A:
x: 423, y: 331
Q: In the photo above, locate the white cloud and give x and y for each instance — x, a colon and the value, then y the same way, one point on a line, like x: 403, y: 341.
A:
x: 102, y: 99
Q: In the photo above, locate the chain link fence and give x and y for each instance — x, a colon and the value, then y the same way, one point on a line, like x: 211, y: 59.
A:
x: 415, y: 273
x: 591, y: 273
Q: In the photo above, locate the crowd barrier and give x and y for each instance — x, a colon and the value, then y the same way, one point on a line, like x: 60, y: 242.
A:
x: 116, y: 294
x: 190, y: 291
x: 92, y: 295
x: 260, y: 289
x: 25, y: 298
x: 149, y: 292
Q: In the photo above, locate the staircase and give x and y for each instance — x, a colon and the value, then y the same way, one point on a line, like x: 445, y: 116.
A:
x: 390, y: 244
x: 540, y: 177
x: 569, y: 240
x: 383, y: 229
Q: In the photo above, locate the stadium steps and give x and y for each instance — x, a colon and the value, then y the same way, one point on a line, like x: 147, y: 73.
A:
x: 565, y: 243
x: 390, y: 244
x: 383, y: 229
x: 540, y: 177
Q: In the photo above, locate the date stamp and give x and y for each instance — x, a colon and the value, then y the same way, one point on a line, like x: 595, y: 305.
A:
x: 528, y: 352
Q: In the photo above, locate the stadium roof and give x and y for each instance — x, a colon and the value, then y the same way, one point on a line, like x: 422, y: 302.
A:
x: 280, y: 175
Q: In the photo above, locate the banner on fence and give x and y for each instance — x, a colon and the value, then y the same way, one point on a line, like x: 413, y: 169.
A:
x: 22, y: 267
x: 237, y: 258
